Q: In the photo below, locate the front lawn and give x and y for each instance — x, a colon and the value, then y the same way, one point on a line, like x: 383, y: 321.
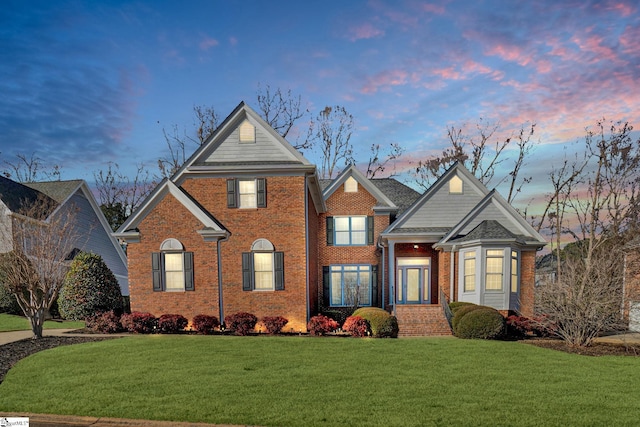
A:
x: 299, y: 381
x: 10, y: 322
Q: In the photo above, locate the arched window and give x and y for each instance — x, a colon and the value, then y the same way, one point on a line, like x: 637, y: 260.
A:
x: 172, y: 267
x: 263, y: 267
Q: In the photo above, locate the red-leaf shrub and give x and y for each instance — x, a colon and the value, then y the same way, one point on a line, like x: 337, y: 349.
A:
x: 139, y: 323
x: 274, y: 324
x: 320, y: 325
x: 241, y: 323
x: 205, y: 324
x: 356, y: 326
x: 172, y: 323
x: 104, y: 323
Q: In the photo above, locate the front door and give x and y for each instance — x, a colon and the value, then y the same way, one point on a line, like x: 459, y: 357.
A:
x: 412, y: 281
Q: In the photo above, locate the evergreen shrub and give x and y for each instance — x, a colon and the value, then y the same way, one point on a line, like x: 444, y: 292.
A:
x: 377, y: 319
x: 485, y: 323
x: 356, y: 326
x: 107, y: 322
x: 89, y: 288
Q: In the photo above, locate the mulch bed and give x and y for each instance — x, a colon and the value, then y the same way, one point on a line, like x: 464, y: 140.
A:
x: 596, y: 349
x: 11, y: 353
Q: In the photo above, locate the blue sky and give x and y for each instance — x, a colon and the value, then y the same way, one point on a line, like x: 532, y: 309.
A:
x: 83, y: 83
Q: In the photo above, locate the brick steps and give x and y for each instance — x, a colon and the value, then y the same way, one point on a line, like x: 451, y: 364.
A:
x: 422, y: 320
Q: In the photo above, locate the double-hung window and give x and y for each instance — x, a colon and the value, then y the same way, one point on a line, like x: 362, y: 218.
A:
x: 172, y: 268
x: 262, y: 268
x: 514, y: 271
x: 494, y: 270
x: 246, y: 193
x: 469, y: 271
x: 350, y: 285
x: 350, y: 230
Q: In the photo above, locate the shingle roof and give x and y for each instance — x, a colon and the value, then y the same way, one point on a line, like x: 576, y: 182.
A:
x: 489, y: 229
x: 19, y: 197
x: 401, y: 195
x: 57, y: 190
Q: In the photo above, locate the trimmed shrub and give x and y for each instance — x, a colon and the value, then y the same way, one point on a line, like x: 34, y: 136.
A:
x: 389, y: 328
x: 320, y: 325
x: 205, y: 324
x: 172, y: 323
x: 274, y: 324
x: 89, y: 288
x: 485, y: 323
x: 104, y: 323
x: 518, y: 326
x: 241, y: 323
x: 356, y: 326
x: 461, y: 312
x: 456, y: 305
x: 139, y: 323
x: 376, y: 318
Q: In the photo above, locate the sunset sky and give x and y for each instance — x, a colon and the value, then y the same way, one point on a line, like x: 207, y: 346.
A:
x: 83, y: 83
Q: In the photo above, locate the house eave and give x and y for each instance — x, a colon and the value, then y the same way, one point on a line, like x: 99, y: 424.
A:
x: 128, y: 236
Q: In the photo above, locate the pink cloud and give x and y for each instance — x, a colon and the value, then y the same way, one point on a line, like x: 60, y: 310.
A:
x: 364, y: 31
x: 433, y: 8
x: 630, y: 40
x: 207, y: 43
x: 387, y: 78
x: 594, y: 44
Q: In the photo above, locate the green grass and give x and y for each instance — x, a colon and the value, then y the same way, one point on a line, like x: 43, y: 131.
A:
x: 292, y: 381
x: 9, y: 322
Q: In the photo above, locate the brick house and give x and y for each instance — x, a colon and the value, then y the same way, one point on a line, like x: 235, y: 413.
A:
x: 246, y: 225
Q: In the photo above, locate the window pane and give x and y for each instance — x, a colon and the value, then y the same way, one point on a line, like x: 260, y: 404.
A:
x: 173, y: 262
x: 350, y: 287
x: 350, y: 185
x: 494, y: 265
x: 469, y: 274
x: 358, y: 223
x: 514, y: 275
x: 341, y: 223
x: 455, y: 185
x: 413, y: 284
x: 399, y: 286
x: 495, y: 252
x: 247, y: 186
x: 175, y: 280
x: 365, y: 285
x: 336, y: 288
x: 342, y: 237
x: 264, y: 280
x: 494, y: 282
x: 358, y: 238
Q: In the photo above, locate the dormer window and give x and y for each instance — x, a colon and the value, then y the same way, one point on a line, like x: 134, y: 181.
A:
x: 455, y: 185
x: 247, y: 132
x: 351, y: 185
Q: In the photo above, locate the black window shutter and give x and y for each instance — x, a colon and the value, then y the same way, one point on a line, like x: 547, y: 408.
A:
x: 370, y: 232
x: 329, y: 231
x: 247, y: 271
x: 156, y: 269
x: 188, y: 271
x: 261, y: 192
x: 326, y: 283
x: 232, y: 199
x: 374, y: 286
x: 278, y: 267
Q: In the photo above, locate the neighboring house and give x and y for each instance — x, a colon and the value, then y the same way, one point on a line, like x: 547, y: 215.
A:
x: 92, y: 230
x: 246, y: 225
x: 631, y: 285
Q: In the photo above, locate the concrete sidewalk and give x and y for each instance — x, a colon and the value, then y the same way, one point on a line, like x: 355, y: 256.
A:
x: 7, y: 337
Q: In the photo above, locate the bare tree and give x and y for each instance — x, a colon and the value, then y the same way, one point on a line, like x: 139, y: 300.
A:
x: 598, y: 194
x: 31, y: 169
x: 41, y: 237
x: 282, y: 111
x: 331, y: 133
x: 481, y: 153
x: 585, y: 299
x: 377, y: 165
x: 119, y: 195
